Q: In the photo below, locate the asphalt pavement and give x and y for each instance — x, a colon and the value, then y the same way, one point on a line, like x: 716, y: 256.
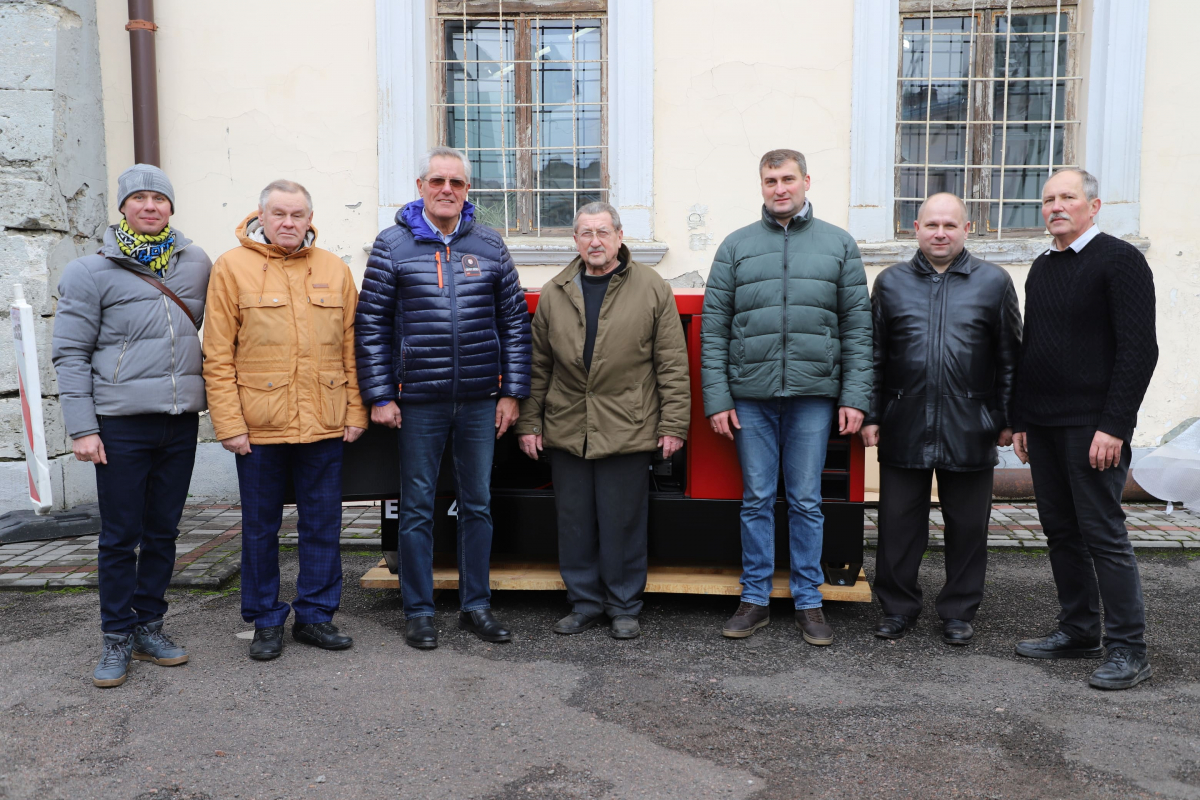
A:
x: 679, y: 713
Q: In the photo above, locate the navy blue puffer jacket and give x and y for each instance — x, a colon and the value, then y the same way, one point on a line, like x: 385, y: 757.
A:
x: 441, y: 321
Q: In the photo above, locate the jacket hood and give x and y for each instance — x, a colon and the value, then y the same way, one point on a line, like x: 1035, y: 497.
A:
x: 251, y: 235
x: 411, y: 217
x: 798, y: 222
x: 110, y: 249
x: 576, y: 266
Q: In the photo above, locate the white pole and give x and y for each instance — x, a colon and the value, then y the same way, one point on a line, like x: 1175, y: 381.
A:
x: 29, y: 381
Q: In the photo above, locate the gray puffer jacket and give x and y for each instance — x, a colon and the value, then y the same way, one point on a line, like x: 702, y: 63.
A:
x: 122, y: 347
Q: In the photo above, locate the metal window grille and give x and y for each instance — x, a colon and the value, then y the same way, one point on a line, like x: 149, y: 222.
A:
x: 987, y: 107
x: 524, y: 95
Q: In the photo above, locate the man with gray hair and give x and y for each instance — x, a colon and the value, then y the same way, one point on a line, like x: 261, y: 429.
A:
x: 283, y: 393
x: 1086, y: 360
x: 604, y: 414
x: 443, y: 355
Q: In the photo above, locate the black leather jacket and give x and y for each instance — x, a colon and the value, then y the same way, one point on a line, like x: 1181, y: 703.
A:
x: 946, y: 351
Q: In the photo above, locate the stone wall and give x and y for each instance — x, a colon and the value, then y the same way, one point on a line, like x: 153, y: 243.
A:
x: 53, y: 206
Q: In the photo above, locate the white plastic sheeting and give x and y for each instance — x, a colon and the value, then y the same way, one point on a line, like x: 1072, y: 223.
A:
x: 1172, y: 472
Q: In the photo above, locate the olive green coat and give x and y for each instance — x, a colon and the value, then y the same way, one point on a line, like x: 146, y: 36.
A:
x: 786, y: 314
x: 637, y: 389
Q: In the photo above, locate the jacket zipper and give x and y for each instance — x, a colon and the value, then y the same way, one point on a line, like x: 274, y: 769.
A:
x: 119, y: 358
x: 783, y: 377
x: 171, y: 328
x: 453, y: 320
x: 936, y: 363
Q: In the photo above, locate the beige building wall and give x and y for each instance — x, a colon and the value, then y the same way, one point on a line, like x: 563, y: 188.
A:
x: 250, y: 92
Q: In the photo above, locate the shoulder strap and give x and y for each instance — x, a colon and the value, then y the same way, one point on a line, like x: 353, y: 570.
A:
x: 162, y: 287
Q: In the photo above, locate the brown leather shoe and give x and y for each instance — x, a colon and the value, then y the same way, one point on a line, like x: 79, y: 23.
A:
x: 746, y: 620
x: 814, y: 628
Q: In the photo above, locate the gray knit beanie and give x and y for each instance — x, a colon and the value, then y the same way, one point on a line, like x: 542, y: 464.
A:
x: 144, y: 178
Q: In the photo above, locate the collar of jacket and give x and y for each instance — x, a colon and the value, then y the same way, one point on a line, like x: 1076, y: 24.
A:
x: 798, y: 223
x: 573, y: 270
x: 242, y: 231
x: 110, y: 249
x: 410, y: 217
x: 964, y: 263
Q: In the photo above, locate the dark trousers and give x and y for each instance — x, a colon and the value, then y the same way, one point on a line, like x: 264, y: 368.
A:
x: 603, y: 509
x: 966, y: 500
x: 316, y: 470
x: 1090, y: 553
x: 141, y: 491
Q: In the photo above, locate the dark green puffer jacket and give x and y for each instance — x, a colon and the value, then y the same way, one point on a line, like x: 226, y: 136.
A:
x: 809, y: 336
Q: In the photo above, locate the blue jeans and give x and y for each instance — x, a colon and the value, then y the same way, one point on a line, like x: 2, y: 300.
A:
x: 141, y: 491
x: 424, y: 429
x: 316, y: 470
x: 799, y: 428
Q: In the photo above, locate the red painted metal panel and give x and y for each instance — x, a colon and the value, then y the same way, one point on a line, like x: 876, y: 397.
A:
x: 713, y: 470
x: 858, y: 469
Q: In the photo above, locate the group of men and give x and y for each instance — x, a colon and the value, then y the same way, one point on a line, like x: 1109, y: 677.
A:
x: 934, y: 367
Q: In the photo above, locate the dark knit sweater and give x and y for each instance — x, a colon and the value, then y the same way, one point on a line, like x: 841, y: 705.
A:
x: 1089, y: 347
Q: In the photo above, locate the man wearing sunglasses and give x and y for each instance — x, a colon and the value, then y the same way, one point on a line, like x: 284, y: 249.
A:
x: 444, y: 353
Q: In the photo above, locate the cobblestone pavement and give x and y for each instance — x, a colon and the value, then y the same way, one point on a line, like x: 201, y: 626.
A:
x: 210, y: 542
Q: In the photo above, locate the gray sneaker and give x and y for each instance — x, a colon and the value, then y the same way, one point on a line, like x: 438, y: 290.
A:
x: 151, y: 644
x: 114, y: 661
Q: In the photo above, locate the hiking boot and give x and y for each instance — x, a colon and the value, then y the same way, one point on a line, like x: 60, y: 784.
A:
x: 626, y: 626
x: 267, y: 644
x: 813, y: 627
x: 1122, y: 669
x: 746, y: 620
x: 151, y: 644
x: 114, y: 661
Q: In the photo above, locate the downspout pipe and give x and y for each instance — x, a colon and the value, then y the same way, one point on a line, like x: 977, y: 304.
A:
x: 144, y: 75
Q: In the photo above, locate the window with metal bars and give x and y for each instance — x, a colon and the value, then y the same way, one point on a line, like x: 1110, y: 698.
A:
x: 988, y: 107
x: 521, y: 89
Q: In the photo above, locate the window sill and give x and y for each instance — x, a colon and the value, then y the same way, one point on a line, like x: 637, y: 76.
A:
x: 997, y: 251
x: 560, y: 251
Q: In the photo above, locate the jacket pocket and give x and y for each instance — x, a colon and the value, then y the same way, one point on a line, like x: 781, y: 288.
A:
x: 120, y: 358
x: 333, y: 399
x: 266, y: 320
x: 328, y: 325
x: 737, y: 353
x: 264, y: 397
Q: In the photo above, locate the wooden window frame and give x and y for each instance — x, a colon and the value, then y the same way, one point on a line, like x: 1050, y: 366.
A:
x: 981, y: 114
x: 523, y: 220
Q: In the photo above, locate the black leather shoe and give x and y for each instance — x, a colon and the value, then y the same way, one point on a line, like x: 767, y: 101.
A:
x: 625, y: 626
x: 1122, y: 669
x: 957, y: 631
x: 1059, y: 645
x: 574, y: 623
x: 324, y: 635
x: 484, y: 625
x: 894, y: 626
x: 267, y: 644
x: 420, y: 633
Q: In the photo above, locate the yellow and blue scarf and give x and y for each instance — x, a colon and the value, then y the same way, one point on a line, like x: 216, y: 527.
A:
x: 153, y: 251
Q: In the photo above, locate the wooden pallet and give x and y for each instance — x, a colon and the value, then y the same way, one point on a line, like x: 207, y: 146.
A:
x: 541, y: 576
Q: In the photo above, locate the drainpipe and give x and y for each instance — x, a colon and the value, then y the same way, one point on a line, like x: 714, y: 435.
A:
x: 144, y: 73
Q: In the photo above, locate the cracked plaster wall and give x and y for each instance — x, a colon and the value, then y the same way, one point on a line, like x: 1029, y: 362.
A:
x: 52, y: 193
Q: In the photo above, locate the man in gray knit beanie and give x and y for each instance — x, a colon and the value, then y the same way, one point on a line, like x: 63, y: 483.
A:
x: 144, y: 178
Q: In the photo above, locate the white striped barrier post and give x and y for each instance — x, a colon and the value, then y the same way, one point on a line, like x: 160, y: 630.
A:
x: 30, y: 383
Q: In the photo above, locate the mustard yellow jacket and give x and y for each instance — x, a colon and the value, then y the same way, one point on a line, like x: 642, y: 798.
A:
x: 279, y: 343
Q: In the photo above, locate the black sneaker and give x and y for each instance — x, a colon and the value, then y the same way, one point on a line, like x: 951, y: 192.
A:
x: 1122, y: 669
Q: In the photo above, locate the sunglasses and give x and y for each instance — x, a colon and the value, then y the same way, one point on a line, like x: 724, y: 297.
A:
x: 457, y: 184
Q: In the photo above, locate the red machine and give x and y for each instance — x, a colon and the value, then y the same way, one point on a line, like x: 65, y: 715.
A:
x: 695, y: 496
